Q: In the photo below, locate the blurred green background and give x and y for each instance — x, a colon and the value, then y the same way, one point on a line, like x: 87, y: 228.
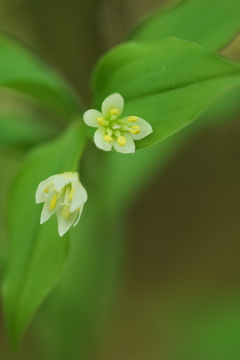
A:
x: 177, y: 296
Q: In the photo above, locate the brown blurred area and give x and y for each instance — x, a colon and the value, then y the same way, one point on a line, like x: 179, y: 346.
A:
x: 184, y: 253
x: 71, y: 35
x: 184, y: 257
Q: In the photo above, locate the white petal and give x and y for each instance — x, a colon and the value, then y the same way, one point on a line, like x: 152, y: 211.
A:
x: 79, y: 215
x: 90, y: 117
x: 65, y: 224
x: 63, y: 179
x: 46, y: 212
x: 146, y: 129
x: 79, y: 197
x: 114, y: 101
x: 128, y: 148
x: 99, y: 139
x: 41, y: 195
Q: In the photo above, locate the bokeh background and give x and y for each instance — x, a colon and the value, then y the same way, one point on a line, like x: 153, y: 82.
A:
x: 177, y: 296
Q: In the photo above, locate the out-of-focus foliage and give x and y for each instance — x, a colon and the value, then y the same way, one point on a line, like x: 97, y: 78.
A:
x: 37, y: 252
x: 23, y: 129
x: 211, y: 24
x: 23, y: 72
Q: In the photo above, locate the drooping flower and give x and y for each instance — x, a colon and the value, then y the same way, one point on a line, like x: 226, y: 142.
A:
x: 114, y: 131
x: 63, y: 195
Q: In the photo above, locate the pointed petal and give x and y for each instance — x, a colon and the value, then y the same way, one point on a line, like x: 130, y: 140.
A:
x: 146, y: 129
x: 41, y: 196
x: 79, y: 215
x: 65, y: 224
x: 99, y: 139
x: 128, y: 148
x: 114, y: 101
x: 90, y: 117
x: 79, y: 198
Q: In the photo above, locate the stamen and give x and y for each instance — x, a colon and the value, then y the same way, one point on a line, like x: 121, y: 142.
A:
x: 132, y: 118
x: 71, y: 194
x: 53, y: 202
x: 122, y: 140
x: 135, y: 130
x: 101, y: 121
x: 114, y: 112
x: 108, y: 138
x: 65, y: 212
x: 46, y: 190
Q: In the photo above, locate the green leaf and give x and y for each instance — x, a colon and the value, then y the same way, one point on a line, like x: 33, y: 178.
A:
x: 23, y: 129
x: 168, y: 83
x: 211, y: 24
x: 38, y: 253
x: 22, y: 71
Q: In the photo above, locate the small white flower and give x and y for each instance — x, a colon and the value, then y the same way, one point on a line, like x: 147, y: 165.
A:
x: 114, y: 131
x: 64, y: 196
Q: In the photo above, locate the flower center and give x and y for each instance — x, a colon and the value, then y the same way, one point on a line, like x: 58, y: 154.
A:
x: 115, y: 128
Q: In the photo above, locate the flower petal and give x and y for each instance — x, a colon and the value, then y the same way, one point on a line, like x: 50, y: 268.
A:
x: 65, y: 224
x: 90, y: 117
x: 79, y: 198
x: 146, y: 129
x: 99, y: 139
x: 46, y: 211
x: 126, y: 149
x: 64, y: 179
x: 79, y: 215
x: 41, y: 195
x: 114, y: 101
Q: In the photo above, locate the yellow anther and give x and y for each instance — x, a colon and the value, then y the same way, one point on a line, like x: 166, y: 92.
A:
x: 114, y: 112
x: 132, y: 118
x: 65, y: 212
x: 135, y: 130
x: 108, y: 138
x: 46, y: 190
x: 122, y: 140
x: 78, y: 209
x: 53, y: 202
x: 101, y: 121
x: 71, y: 194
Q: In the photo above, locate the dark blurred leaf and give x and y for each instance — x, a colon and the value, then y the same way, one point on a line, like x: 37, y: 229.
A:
x: 211, y: 24
x: 22, y: 71
x: 168, y: 83
x: 23, y: 129
x: 38, y: 253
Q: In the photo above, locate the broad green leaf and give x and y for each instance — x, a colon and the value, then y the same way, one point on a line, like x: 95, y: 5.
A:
x: 211, y: 24
x: 168, y: 83
x: 38, y: 253
x: 23, y: 129
x: 22, y: 71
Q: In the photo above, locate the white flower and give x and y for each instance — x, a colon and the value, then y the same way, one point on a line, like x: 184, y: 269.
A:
x: 114, y: 131
x: 64, y: 196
